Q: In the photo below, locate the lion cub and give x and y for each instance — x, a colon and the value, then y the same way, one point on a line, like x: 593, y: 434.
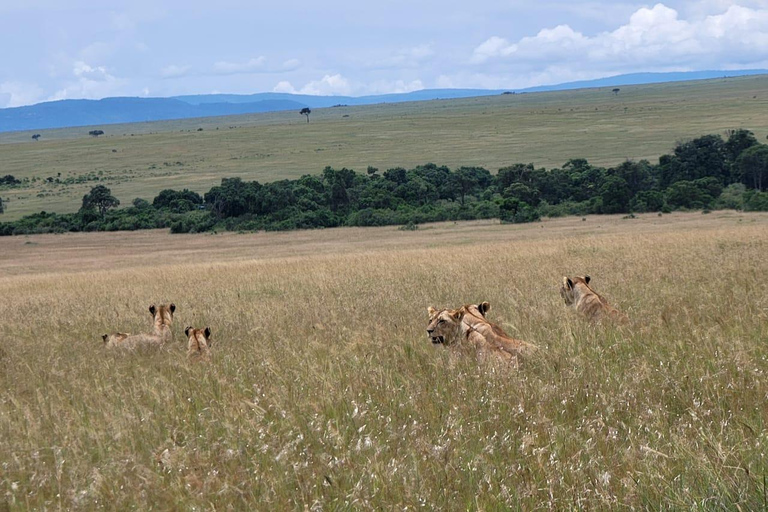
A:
x: 199, y: 343
x: 468, y: 326
x: 162, y: 317
x: 577, y: 293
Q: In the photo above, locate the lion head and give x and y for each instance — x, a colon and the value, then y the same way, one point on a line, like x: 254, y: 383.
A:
x: 566, y: 288
x: 199, y: 340
x: 477, y: 310
x: 111, y: 340
x: 444, y: 325
x: 162, y: 314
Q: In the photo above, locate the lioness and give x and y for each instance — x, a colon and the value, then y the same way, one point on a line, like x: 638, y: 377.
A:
x: 114, y: 339
x: 161, y: 330
x: 468, y: 325
x: 199, y: 343
x: 577, y: 293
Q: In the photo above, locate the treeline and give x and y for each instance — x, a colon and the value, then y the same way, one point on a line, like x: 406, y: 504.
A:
x: 705, y: 173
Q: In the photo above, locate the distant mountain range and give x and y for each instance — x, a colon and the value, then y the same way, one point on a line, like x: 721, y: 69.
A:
x: 67, y: 113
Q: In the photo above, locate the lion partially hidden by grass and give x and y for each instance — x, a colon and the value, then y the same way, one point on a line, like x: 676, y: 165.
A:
x: 467, y: 326
x: 199, y: 342
x: 162, y: 317
x: 577, y: 293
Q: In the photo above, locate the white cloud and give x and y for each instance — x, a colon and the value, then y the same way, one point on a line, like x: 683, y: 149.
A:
x: 174, y: 71
x: 393, y: 87
x: 327, y: 86
x: 290, y: 65
x: 284, y: 86
x: 337, y: 84
x: 233, y: 68
x: 412, y: 57
x: 17, y: 94
x: 654, y: 38
x: 90, y: 82
x: 86, y: 72
x: 255, y: 65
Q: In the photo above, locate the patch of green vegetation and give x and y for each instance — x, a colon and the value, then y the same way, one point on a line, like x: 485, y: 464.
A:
x: 490, y: 132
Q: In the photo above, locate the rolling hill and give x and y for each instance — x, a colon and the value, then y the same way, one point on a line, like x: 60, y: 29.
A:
x: 70, y: 113
x: 547, y: 129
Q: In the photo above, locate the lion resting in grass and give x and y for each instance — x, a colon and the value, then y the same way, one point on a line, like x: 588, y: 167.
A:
x: 199, y: 342
x: 467, y: 326
x: 162, y: 317
x: 577, y: 293
x: 114, y: 339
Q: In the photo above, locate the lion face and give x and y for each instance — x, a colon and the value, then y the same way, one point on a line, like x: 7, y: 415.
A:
x: 444, y: 325
x: 566, y: 288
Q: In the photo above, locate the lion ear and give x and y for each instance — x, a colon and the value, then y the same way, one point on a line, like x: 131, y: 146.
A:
x: 207, y: 332
x: 152, y: 309
x: 186, y: 331
x: 104, y: 337
x: 173, y: 307
x: 568, y: 283
x: 587, y: 279
x: 431, y: 311
x: 484, y: 307
x: 457, y: 314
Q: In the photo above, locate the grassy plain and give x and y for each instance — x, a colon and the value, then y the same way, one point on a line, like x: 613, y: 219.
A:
x: 325, y: 393
x: 139, y: 160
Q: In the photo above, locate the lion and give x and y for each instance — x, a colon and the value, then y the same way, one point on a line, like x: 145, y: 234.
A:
x: 468, y: 326
x: 199, y: 343
x: 577, y: 293
x: 161, y: 330
x: 114, y: 339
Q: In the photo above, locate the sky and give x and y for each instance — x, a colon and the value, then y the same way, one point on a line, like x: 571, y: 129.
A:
x: 76, y: 49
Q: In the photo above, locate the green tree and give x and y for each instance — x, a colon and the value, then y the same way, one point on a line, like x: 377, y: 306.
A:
x: 522, y: 192
x: 752, y: 166
x: 693, y: 194
x: 100, y: 198
x: 516, y: 211
x: 647, y: 201
x: 699, y: 158
x: 637, y: 175
x: 470, y: 180
x: 738, y: 141
x: 615, y: 194
x: 2, y: 209
x: 141, y: 204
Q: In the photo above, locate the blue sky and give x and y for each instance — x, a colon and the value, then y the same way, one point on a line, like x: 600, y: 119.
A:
x: 79, y: 49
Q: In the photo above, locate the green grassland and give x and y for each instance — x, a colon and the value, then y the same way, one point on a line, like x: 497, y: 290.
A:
x: 325, y: 393
x: 139, y: 160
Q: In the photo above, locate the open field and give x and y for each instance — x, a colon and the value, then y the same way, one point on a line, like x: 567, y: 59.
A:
x: 139, y: 160
x: 324, y: 391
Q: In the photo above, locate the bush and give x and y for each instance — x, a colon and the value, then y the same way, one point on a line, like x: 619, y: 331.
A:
x: 755, y: 201
x: 732, y: 197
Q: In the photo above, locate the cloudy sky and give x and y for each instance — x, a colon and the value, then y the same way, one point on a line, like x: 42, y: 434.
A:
x: 84, y: 49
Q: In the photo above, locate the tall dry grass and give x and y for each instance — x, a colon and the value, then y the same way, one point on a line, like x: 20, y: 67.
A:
x: 324, y: 391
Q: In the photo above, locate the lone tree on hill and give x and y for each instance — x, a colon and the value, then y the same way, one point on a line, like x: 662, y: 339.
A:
x: 100, y: 198
x: 305, y: 112
x: 96, y: 133
x: 36, y: 136
x: 616, y: 91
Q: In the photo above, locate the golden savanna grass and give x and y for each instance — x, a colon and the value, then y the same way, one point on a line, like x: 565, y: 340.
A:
x: 324, y: 392
x: 548, y: 129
